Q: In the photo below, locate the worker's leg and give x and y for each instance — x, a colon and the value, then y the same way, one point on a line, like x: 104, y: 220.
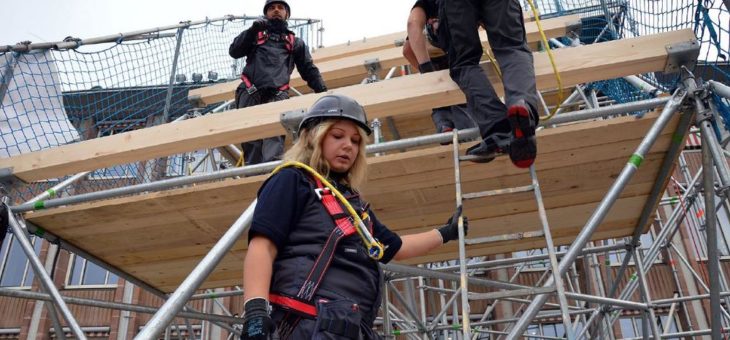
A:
x: 441, y: 117
x: 506, y: 32
x: 465, y: 51
x: 461, y: 118
x: 252, y: 149
x: 505, y: 26
x: 273, y: 147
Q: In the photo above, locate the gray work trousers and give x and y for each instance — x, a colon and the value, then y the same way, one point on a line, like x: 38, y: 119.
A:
x: 506, y: 32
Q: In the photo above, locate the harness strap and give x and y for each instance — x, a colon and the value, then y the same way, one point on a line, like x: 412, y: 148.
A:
x: 261, y: 38
x: 302, y: 305
x: 293, y: 304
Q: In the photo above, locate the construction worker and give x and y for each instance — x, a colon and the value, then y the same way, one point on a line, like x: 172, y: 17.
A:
x: 271, y: 52
x: 305, y: 261
x: 503, y: 20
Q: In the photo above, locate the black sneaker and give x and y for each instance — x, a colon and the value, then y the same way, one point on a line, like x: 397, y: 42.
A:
x: 489, y: 148
x: 523, y: 146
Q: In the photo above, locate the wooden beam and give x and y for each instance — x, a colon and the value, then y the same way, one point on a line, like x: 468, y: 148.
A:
x: 404, y: 95
x: 348, y: 69
x: 158, y: 237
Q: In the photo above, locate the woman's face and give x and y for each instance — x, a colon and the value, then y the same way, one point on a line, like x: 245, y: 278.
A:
x: 341, y: 145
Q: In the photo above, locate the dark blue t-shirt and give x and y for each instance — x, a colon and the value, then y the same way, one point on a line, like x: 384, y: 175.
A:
x: 281, y: 202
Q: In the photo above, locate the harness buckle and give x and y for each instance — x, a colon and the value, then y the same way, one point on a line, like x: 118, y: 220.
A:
x: 321, y: 191
x: 251, y: 89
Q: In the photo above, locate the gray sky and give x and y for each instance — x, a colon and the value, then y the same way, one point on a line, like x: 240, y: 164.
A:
x: 53, y: 20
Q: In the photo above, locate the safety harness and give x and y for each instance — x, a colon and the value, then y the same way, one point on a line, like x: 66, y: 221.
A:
x: 302, y: 304
x: 262, y: 38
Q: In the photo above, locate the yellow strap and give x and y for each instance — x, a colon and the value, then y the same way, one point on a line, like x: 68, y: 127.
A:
x: 544, y: 40
x: 374, y: 247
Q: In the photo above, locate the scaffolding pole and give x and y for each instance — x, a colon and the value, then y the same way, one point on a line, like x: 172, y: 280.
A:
x: 176, y: 302
x: 42, y: 276
x: 600, y: 213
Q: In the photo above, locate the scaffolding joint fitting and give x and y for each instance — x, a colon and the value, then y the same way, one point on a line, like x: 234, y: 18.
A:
x: 681, y: 54
x: 290, y: 120
x: 373, y: 67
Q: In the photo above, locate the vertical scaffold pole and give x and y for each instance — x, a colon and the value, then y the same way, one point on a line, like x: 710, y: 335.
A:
x: 465, y: 310
x: 187, y: 288
x: 173, y: 72
x: 557, y: 277
x: 43, y: 276
x: 603, y: 208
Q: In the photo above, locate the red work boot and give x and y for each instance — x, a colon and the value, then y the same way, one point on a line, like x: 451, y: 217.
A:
x: 523, y: 147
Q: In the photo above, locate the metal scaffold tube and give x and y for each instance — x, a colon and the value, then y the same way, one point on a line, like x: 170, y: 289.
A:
x: 605, y: 205
x: 121, y: 36
x: 115, y: 305
x: 176, y: 302
x: 42, y: 276
x: 465, y: 307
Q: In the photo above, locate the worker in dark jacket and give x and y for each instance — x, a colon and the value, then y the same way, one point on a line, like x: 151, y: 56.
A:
x: 272, y: 51
x: 503, y: 20
x: 306, y: 262
x: 422, y: 31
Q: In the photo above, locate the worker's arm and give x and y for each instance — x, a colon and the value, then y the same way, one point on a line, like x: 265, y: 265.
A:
x: 242, y: 44
x: 416, y: 22
x: 306, y: 68
x: 257, y: 268
x: 418, y: 244
x: 409, y: 55
x: 245, y: 42
x: 421, y: 243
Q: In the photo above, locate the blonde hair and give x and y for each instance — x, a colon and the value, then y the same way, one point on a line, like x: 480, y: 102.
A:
x: 308, y: 150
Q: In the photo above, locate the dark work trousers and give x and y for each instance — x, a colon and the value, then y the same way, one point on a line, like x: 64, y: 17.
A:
x: 267, y: 149
x: 506, y: 32
x: 447, y: 118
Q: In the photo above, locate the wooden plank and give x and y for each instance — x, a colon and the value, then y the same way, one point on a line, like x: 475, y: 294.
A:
x: 159, y: 237
x: 389, y: 98
x: 348, y: 69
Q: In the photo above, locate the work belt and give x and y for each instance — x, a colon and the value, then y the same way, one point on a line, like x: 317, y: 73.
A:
x: 251, y: 88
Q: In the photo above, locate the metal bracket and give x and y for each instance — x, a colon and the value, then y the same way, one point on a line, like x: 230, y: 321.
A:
x: 290, y: 120
x: 373, y: 67
x: 681, y: 54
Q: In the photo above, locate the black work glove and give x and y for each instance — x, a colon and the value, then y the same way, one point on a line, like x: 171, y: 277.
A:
x: 259, y: 24
x: 450, y: 231
x: 257, y: 324
x: 426, y: 67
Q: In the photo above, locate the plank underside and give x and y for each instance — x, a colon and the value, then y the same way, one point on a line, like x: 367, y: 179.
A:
x: 348, y: 68
x: 392, y: 98
x: 159, y: 237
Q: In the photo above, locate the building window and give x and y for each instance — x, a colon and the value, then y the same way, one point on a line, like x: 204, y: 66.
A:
x: 86, y: 273
x: 632, y: 326
x: 15, y: 269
